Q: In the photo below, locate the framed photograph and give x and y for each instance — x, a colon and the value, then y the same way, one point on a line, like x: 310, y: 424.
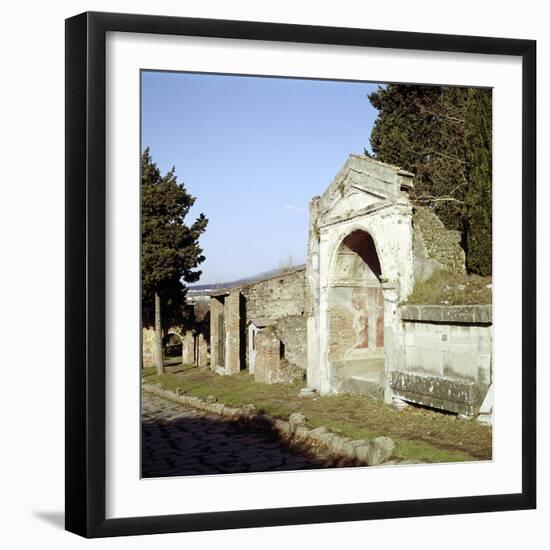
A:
x: 300, y: 274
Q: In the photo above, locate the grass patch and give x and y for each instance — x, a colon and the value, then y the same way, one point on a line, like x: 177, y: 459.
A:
x: 420, y: 434
x: 445, y: 288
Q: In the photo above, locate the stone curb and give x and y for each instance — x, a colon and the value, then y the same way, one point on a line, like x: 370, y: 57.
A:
x: 370, y: 452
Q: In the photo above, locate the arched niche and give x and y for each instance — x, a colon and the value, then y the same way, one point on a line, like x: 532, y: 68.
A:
x: 174, y: 346
x: 355, y: 316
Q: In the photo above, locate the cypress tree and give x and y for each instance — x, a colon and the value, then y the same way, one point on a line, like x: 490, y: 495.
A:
x: 443, y: 135
x: 170, y: 250
x: 421, y: 129
x: 479, y: 197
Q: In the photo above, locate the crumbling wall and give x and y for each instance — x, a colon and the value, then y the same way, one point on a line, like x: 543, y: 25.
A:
x: 280, y: 302
x: 434, y: 247
x: 292, y: 331
x: 202, y: 351
x: 148, y: 347
x: 271, y: 365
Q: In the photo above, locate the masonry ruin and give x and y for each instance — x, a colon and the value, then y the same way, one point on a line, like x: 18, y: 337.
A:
x: 341, y: 323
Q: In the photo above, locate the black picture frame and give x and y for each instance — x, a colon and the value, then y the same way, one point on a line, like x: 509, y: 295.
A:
x: 86, y: 274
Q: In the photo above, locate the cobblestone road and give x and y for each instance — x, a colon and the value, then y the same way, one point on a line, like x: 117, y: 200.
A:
x: 177, y: 440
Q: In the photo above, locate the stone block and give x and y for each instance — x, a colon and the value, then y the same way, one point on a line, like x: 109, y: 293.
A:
x: 474, y: 314
x: 249, y: 409
x: 296, y: 419
x: 349, y: 446
x: 301, y: 432
x: 230, y: 411
x: 216, y: 408
x: 318, y: 432
x: 459, y: 396
x: 362, y: 451
x: 380, y: 449
x: 327, y: 439
x: 337, y: 444
x: 282, y: 426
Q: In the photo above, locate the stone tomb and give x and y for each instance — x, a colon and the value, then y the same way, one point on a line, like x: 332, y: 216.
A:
x: 360, y: 266
x: 343, y: 319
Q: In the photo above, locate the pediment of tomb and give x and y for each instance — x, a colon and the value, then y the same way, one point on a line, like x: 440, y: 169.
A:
x: 353, y: 200
x: 363, y: 185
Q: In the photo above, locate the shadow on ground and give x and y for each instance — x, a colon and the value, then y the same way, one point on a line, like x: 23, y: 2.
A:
x: 201, y: 444
x: 57, y: 519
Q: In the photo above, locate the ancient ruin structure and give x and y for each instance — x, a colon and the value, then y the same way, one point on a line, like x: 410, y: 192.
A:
x: 359, y: 268
x: 341, y: 323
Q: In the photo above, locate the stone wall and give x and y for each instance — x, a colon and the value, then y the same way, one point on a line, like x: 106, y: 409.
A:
x: 233, y: 340
x: 226, y: 347
x: 271, y: 365
x: 216, y: 309
x: 202, y: 351
x: 277, y: 302
x: 193, y: 345
x: 434, y: 247
x: 276, y: 297
x: 148, y: 347
x: 291, y: 330
x: 280, y: 302
x: 448, y: 357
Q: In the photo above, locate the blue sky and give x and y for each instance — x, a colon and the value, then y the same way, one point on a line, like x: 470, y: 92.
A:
x: 253, y: 150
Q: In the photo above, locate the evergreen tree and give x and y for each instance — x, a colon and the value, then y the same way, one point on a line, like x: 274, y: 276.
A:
x: 478, y: 138
x: 443, y: 135
x: 170, y: 250
x: 421, y: 129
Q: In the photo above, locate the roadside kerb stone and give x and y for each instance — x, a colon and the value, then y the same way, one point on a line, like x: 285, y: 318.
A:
x: 249, y: 411
x: 380, y: 450
x: 316, y: 433
x: 230, y: 411
x: 296, y: 419
x: 301, y: 432
x: 282, y: 426
x: 337, y: 444
x: 362, y: 452
x: 327, y: 438
x: 350, y: 446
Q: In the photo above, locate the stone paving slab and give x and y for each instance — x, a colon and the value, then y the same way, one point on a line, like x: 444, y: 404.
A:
x: 178, y: 440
